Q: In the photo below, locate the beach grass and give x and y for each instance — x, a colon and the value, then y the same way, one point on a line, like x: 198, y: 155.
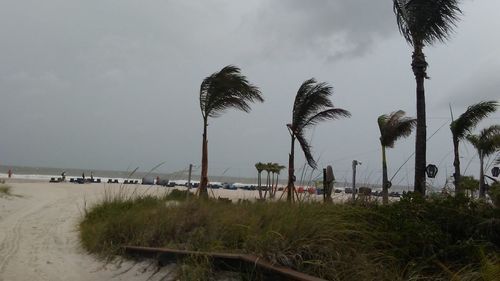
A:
x: 414, y: 239
x: 5, y: 190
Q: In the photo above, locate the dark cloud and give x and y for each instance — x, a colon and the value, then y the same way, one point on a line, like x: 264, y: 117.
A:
x: 332, y: 29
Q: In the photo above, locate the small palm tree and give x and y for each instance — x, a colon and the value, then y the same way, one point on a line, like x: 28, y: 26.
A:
x: 260, y: 167
x: 312, y: 105
x: 392, y: 127
x: 423, y: 22
x: 268, y: 168
x: 218, y: 92
x: 486, y: 143
x: 277, y: 168
x: 463, y: 126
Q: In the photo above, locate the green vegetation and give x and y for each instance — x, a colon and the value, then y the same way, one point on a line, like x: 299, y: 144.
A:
x: 5, y: 190
x: 439, y: 238
x: 494, y: 193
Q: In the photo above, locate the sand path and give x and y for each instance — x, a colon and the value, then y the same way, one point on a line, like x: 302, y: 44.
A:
x: 39, y: 237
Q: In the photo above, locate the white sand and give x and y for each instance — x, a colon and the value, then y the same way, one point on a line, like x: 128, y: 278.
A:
x: 39, y: 235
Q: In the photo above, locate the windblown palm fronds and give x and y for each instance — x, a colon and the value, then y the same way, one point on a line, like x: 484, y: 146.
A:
x: 312, y: 105
x: 426, y: 21
x: 227, y: 89
x: 394, y: 126
x: 474, y: 114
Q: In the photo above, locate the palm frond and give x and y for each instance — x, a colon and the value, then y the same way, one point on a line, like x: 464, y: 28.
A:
x: 311, y: 99
x: 227, y: 89
x: 426, y: 21
x: 306, y: 148
x: 394, y: 126
x: 312, y: 105
x: 329, y: 114
x: 487, y: 141
x: 466, y: 122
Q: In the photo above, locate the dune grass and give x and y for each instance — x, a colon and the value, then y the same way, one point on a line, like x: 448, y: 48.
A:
x: 414, y: 239
x: 5, y: 190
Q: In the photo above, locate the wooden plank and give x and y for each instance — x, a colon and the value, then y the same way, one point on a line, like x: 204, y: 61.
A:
x: 228, y: 259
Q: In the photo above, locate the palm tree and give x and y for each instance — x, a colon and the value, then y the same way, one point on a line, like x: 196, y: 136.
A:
x: 463, y: 126
x: 268, y: 168
x: 218, y: 92
x: 260, y: 167
x: 312, y: 105
x: 486, y: 143
x: 276, y: 171
x: 392, y: 127
x: 423, y: 22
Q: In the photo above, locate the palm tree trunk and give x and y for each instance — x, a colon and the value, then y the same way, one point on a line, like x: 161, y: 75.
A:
x: 291, y: 169
x: 482, y: 185
x: 275, y: 188
x: 419, y: 66
x: 385, y: 179
x: 456, y: 164
x: 204, y: 162
x: 267, y: 185
x: 259, y: 184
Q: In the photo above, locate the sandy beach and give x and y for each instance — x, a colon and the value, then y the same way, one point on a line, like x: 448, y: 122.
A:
x: 39, y: 237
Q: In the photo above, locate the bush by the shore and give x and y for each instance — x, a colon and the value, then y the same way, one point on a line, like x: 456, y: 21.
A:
x: 438, y: 238
x: 5, y: 190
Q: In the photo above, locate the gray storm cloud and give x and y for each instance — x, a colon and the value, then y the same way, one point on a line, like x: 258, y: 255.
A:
x: 333, y: 29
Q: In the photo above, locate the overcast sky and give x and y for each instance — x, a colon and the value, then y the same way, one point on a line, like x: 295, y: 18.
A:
x: 114, y: 84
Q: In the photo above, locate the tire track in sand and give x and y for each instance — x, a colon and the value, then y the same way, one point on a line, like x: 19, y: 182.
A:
x: 10, y: 244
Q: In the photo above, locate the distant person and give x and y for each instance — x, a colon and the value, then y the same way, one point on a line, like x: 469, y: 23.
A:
x: 63, y: 176
x: 91, y: 176
x: 83, y: 176
x: 10, y: 173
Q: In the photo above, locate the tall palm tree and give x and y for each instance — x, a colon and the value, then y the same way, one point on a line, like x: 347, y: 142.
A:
x: 392, y: 127
x: 463, y: 126
x: 423, y: 22
x: 312, y: 105
x: 486, y: 143
x: 218, y: 92
x: 260, y: 167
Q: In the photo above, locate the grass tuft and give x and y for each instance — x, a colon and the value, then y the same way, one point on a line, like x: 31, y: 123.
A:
x: 5, y: 190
